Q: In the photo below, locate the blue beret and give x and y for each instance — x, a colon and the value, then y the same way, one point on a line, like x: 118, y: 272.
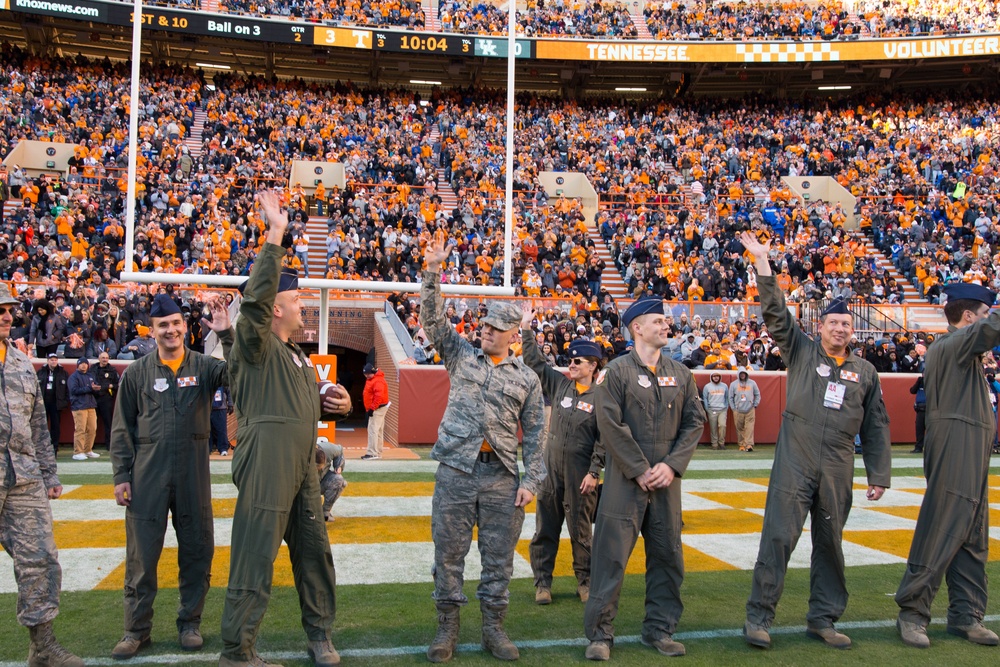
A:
x: 837, y: 307
x: 289, y: 281
x: 644, y: 306
x: 164, y: 306
x: 970, y: 291
x: 585, y: 348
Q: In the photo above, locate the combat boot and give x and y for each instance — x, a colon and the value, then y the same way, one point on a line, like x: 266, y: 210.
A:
x: 190, y: 638
x: 913, y: 634
x: 976, y: 633
x: 495, y: 639
x: 45, y: 651
x: 323, y: 654
x: 443, y: 646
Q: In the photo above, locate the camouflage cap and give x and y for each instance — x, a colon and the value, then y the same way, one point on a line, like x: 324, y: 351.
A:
x: 502, y: 315
x: 6, y: 298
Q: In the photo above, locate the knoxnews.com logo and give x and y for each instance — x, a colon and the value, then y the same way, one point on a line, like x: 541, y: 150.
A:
x: 57, y: 8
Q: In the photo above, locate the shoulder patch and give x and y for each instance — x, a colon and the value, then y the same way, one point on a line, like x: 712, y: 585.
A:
x: 600, y: 376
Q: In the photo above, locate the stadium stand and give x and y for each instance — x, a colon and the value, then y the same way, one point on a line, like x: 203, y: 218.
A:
x: 743, y: 21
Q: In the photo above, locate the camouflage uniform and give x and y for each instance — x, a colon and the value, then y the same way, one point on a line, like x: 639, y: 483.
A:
x: 486, y: 404
x: 331, y: 483
x: 28, y: 470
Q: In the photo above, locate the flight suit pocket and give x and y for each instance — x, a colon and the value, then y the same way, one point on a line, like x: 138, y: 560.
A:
x: 668, y: 396
x: 147, y: 427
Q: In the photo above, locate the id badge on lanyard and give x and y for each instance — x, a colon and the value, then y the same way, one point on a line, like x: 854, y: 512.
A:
x: 834, y: 397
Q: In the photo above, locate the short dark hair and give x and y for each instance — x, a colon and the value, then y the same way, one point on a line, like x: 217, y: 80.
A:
x: 955, y: 307
x: 600, y: 361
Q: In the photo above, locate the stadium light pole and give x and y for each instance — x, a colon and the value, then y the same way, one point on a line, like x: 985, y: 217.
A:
x: 133, y: 136
x: 508, y: 213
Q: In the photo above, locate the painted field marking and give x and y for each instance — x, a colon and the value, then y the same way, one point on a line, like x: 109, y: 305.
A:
x: 394, y: 651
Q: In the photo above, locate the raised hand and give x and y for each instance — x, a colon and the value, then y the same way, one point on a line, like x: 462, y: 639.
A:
x: 276, y: 219
x: 220, y: 315
x: 527, y: 314
x: 436, y: 253
x: 754, y: 246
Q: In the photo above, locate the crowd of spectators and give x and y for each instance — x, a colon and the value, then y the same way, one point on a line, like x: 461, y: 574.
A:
x: 678, y: 180
x: 749, y: 21
x: 903, y: 18
x: 406, y: 14
x: 700, y: 344
x: 576, y: 19
x: 481, y: 18
x: 668, y: 20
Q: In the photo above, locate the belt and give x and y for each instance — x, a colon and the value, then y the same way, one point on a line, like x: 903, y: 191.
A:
x: 488, y: 457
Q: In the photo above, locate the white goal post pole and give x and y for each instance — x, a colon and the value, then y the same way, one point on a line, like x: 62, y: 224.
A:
x: 508, y: 213
x: 133, y: 135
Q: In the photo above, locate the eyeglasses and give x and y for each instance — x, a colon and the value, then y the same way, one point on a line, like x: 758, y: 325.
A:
x: 579, y: 361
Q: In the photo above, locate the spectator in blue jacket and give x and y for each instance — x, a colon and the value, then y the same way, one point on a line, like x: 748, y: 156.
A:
x: 83, y: 403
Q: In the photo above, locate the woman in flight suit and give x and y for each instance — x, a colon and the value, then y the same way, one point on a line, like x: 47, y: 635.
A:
x: 573, y: 457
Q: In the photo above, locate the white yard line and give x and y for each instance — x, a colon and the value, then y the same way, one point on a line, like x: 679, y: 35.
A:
x: 395, y: 651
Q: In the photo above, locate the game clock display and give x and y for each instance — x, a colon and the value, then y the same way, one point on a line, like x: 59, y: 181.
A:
x: 408, y: 42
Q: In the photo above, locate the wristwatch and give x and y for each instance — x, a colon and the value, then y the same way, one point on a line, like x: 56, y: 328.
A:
x: 595, y: 475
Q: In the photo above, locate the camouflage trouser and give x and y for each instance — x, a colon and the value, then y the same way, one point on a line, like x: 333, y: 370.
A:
x: 26, y: 536
x: 483, y: 498
x: 332, y: 485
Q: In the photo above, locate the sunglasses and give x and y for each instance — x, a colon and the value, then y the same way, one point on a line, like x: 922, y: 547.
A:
x: 579, y: 361
x: 6, y: 309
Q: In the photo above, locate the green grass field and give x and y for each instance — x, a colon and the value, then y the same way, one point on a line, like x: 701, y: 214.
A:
x: 370, y: 618
x: 392, y: 624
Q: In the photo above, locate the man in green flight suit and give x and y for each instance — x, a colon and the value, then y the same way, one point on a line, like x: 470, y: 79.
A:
x: 277, y: 407
x: 159, y: 455
x: 832, y: 395
x: 650, y: 416
x: 953, y: 528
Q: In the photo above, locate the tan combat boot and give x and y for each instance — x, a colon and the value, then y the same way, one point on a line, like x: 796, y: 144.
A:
x: 976, y: 633
x: 665, y: 645
x: 45, y: 651
x: 543, y: 595
x: 830, y: 637
x: 756, y: 635
x: 323, y: 654
x: 495, y: 639
x: 913, y: 634
x: 443, y: 646
x: 190, y: 638
x: 128, y: 646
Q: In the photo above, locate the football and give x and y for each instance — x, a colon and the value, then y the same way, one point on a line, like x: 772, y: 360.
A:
x: 324, y: 387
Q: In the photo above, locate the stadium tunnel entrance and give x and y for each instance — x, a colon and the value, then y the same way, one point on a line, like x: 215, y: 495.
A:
x: 351, y: 338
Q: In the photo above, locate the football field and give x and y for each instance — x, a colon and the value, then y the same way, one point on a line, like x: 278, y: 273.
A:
x: 382, y: 548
